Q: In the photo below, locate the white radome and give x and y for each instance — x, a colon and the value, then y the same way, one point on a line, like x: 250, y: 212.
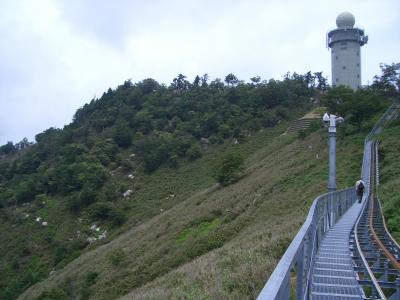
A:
x: 345, y: 19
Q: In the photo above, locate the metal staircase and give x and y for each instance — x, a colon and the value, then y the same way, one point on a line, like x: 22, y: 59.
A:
x: 333, y: 276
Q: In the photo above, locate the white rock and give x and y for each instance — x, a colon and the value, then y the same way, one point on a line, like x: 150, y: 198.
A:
x: 131, y: 176
x: 132, y: 155
x: 128, y: 193
x: 103, y: 235
x: 38, y: 219
x: 44, y: 224
x: 91, y: 239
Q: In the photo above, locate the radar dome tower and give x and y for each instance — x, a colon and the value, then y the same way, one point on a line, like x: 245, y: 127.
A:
x: 345, y: 42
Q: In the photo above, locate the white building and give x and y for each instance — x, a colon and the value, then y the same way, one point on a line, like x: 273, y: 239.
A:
x: 345, y: 42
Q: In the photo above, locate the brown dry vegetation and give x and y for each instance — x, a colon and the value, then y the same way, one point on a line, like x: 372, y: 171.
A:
x: 219, y: 243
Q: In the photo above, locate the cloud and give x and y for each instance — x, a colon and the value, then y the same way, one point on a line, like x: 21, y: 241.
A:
x: 56, y: 55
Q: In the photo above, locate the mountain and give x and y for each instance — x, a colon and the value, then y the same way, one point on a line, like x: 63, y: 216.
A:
x: 171, y: 191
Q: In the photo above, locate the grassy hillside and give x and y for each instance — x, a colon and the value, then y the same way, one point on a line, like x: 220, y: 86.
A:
x: 249, y: 223
x: 390, y: 176
x: 128, y: 156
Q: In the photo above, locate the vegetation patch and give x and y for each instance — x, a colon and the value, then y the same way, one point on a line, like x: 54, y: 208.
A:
x: 199, y: 230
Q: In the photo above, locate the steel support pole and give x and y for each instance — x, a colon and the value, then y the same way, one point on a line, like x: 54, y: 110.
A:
x: 332, y: 162
x: 332, y: 154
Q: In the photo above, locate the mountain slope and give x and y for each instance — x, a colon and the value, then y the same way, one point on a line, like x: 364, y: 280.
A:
x: 127, y: 156
x: 251, y: 222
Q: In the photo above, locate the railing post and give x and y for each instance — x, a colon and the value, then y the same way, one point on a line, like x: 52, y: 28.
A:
x: 385, y: 270
x: 286, y: 287
x: 300, y: 274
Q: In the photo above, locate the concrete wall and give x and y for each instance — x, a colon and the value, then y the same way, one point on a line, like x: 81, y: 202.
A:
x: 346, y: 63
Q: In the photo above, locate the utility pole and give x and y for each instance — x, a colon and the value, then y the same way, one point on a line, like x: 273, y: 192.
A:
x: 332, y: 119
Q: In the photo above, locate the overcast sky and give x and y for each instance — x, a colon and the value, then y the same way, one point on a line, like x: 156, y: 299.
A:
x: 56, y: 55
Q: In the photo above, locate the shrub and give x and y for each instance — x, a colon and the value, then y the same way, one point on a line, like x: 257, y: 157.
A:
x: 91, y: 278
x: 87, y: 195
x: 117, y: 217
x: 106, y: 212
x: 229, y: 169
x: 194, y: 152
x: 100, y: 211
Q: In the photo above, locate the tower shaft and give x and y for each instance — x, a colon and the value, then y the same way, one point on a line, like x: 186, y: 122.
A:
x: 345, y: 43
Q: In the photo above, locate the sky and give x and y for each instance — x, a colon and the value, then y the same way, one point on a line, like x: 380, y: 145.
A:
x: 57, y: 55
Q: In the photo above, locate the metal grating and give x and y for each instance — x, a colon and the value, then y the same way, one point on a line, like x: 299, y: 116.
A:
x: 333, y: 274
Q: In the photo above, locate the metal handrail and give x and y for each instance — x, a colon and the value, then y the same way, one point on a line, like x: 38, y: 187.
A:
x: 366, y: 173
x: 324, y: 212
x: 381, y: 121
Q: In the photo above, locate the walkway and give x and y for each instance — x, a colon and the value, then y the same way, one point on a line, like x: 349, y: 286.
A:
x: 333, y: 274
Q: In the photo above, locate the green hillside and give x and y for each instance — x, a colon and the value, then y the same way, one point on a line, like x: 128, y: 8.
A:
x: 390, y: 176
x: 126, y: 198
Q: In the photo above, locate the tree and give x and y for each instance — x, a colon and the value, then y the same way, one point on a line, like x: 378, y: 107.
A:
x: 229, y: 169
x: 336, y: 98
x: 180, y: 83
x: 217, y: 84
x: 231, y: 80
x: 256, y: 80
x: 24, y: 143
x: 356, y: 106
x: 8, y: 148
x: 204, y: 80
x: 196, y: 81
x: 309, y: 78
x: 148, y: 85
x: 322, y: 81
x: 362, y: 106
x: 122, y: 136
x: 389, y: 81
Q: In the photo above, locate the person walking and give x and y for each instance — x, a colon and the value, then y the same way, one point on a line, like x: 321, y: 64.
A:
x: 360, y: 187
